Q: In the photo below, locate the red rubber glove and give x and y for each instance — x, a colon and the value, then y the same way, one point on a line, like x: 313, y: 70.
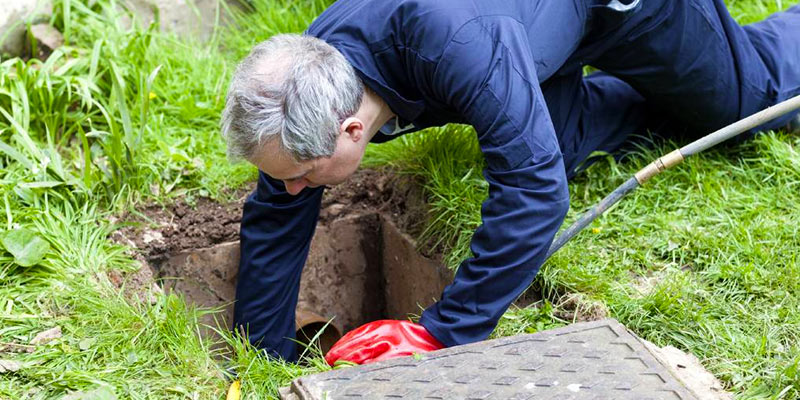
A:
x: 382, y: 340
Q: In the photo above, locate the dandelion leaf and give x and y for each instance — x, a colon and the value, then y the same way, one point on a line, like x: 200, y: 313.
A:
x: 26, y: 246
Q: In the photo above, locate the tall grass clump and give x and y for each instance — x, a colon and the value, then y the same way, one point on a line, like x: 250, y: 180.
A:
x: 122, y: 114
x: 448, y: 164
x: 136, y: 348
x: 133, y: 110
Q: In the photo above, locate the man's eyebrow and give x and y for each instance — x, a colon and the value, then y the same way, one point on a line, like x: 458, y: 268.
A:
x: 298, y: 176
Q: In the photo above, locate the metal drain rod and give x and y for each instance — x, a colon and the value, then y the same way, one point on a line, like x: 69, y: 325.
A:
x: 670, y: 160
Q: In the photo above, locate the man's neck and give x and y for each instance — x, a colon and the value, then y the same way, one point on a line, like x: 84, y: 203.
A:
x: 374, y: 112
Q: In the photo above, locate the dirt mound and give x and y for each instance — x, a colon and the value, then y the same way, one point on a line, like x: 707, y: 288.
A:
x: 368, y: 191
x: 158, y: 231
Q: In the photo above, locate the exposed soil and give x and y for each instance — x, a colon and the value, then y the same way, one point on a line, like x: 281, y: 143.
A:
x: 342, y: 276
x: 577, y: 308
x: 367, y: 191
x: 160, y: 231
x: 139, y: 284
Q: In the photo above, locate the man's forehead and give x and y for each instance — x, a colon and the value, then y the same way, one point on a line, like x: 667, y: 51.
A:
x: 275, y: 161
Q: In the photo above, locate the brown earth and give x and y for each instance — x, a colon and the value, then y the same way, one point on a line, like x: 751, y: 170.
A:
x: 576, y: 307
x: 397, y: 197
x: 139, y: 284
x: 158, y: 231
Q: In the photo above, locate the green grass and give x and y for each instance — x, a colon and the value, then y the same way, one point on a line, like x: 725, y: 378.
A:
x: 704, y: 257
x: 117, y: 118
x: 447, y: 162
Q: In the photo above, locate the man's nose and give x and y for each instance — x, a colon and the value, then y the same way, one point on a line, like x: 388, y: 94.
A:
x: 294, y: 187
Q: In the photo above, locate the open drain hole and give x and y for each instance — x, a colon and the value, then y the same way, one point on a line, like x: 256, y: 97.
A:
x: 360, y: 269
x: 312, y: 327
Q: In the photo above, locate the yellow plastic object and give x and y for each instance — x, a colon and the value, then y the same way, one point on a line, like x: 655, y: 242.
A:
x: 235, y: 391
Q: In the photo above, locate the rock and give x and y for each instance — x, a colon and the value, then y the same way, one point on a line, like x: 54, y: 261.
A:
x: 16, y: 348
x: 139, y: 285
x: 9, y: 366
x: 688, y: 369
x: 13, y: 16
x: 335, y: 209
x: 47, y: 40
x: 287, y: 394
x: 47, y: 336
x: 187, y: 18
x: 152, y: 235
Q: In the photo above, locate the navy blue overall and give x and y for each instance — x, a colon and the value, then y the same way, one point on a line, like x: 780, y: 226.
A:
x: 513, y: 70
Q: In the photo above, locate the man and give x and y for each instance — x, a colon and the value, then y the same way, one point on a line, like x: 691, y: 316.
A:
x: 303, y: 108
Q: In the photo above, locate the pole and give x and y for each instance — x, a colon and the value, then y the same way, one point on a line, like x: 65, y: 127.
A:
x: 670, y: 160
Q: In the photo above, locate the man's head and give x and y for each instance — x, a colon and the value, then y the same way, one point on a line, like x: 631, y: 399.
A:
x: 291, y: 110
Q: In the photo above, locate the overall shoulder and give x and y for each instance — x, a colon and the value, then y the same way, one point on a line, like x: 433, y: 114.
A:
x: 428, y: 25
x: 424, y: 26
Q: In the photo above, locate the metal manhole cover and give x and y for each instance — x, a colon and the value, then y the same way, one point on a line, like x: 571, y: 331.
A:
x: 590, y: 360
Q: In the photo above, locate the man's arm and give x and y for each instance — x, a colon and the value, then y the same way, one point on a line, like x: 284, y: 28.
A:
x: 487, y: 73
x: 276, y: 235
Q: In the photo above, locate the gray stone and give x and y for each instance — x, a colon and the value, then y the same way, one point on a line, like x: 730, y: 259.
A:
x: 688, y: 369
x: 47, y: 38
x: 14, y: 14
x: 186, y: 18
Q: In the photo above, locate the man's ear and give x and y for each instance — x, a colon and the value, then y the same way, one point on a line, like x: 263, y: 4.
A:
x: 353, y: 128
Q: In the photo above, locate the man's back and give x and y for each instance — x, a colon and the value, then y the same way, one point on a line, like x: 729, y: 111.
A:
x: 400, y: 34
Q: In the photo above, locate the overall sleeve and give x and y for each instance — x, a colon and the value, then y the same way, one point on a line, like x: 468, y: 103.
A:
x: 487, y: 74
x: 276, y: 234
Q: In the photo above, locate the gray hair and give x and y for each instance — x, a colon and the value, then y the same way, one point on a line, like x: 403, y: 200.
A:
x: 294, y: 87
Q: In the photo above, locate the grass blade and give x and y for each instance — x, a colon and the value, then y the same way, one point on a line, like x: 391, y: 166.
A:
x: 22, y: 133
x: 67, y: 4
x: 87, y: 157
x: 98, y: 45
x: 119, y: 94
x: 146, y: 102
x: 15, y: 155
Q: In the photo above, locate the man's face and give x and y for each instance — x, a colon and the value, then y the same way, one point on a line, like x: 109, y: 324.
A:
x: 278, y: 164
